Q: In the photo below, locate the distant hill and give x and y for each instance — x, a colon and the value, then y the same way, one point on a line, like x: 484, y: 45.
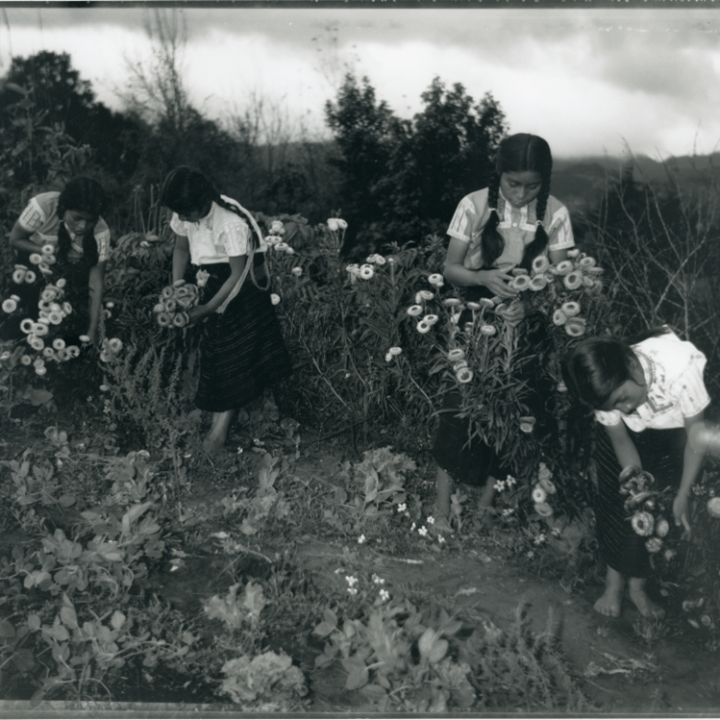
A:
x: 581, y: 182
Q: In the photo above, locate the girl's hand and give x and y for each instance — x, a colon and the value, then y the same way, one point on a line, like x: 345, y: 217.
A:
x: 497, y: 282
x: 515, y: 313
x: 198, y: 313
x: 680, y: 511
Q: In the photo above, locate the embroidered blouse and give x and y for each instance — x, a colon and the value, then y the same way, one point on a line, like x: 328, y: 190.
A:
x: 673, y: 371
x: 517, y: 226
x: 218, y: 236
x: 41, y: 219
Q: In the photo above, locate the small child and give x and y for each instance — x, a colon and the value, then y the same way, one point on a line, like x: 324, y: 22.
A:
x: 650, y: 397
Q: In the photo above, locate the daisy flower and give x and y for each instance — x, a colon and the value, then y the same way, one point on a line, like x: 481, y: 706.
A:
x: 58, y: 343
x: 452, y: 302
x: 18, y: 276
x: 456, y: 354
x: 36, y: 343
x: 575, y: 327
x: 487, y: 302
x: 474, y: 306
x: 276, y: 227
x: 61, y: 283
x: 488, y: 330
x: 573, y: 253
x: 332, y: 223
x: 563, y: 268
x: 40, y: 370
x: 341, y: 223
x: 274, y: 298
x: 520, y: 283
x: 423, y: 295
x: 559, y: 317
x: 586, y: 262
x: 436, y: 279
x: 527, y: 424
x: 163, y: 318
x: 366, y: 272
x: 653, y: 545
x: 539, y: 282
x: 642, y: 523
x: 431, y: 319
x: 9, y: 305
x: 543, y: 509
x: 36, y: 258
x: 30, y: 277
x: 661, y: 527
x: 48, y: 352
x: 464, y: 375
x: 571, y: 308
x: 388, y: 357
x: 540, y: 264
x: 297, y: 271
x: 423, y: 327
x: 395, y: 350
x: 538, y: 494
x: 282, y: 246
x: 26, y: 360
x: 573, y: 280
x: 414, y: 310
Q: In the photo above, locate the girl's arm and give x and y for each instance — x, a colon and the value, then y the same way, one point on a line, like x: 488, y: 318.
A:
x: 20, y: 239
x: 237, y: 265
x: 96, y: 285
x: 181, y: 257
x: 622, y: 443
x: 456, y: 273
x: 692, y: 463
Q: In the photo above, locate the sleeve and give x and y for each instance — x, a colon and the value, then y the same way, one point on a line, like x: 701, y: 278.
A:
x: 102, y: 239
x: 461, y: 225
x: 33, y: 217
x: 177, y: 226
x: 609, y: 417
x: 234, y: 236
x: 560, y: 234
x: 689, y: 388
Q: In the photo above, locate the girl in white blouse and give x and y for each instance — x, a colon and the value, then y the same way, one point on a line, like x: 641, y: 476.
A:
x: 242, y: 349
x: 650, y: 397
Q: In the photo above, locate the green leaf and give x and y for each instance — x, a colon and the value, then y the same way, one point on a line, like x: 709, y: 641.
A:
x: 7, y: 630
x: 67, y: 500
x: 33, y: 622
x: 117, y: 620
x: 60, y: 633
x: 69, y: 618
x: 323, y: 629
x: 357, y: 676
x: 133, y: 514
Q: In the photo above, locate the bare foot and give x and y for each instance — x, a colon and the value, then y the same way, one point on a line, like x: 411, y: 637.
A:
x: 642, y: 602
x: 212, y: 446
x: 610, y: 602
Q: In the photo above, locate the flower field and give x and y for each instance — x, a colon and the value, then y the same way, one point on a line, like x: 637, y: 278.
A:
x: 135, y: 567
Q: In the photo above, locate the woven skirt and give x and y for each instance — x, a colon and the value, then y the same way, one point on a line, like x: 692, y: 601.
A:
x: 242, y: 351
x: 661, y: 453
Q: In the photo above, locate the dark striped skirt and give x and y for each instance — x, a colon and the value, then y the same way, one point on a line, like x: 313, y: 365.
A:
x: 242, y: 351
x: 661, y: 453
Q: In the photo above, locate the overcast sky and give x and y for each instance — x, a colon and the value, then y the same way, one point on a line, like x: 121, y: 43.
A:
x: 589, y: 81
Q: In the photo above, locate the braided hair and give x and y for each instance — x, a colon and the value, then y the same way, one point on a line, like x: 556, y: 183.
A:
x: 81, y: 194
x: 187, y: 190
x: 518, y: 153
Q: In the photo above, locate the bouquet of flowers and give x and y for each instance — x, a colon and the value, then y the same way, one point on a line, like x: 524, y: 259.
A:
x: 646, y: 506
x: 561, y: 291
x: 174, y: 303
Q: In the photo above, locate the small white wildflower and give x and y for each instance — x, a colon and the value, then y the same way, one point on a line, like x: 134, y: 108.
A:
x: 412, y: 527
x: 351, y: 580
x: 414, y: 310
x: 402, y: 507
x: 388, y: 357
x: 431, y: 520
x: 384, y: 595
x: 423, y: 531
x: 441, y: 539
x: 395, y: 350
x: 352, y: 591
x: 297, y: 271
x: 499, y: 485
x: 437, y: 280
x: 377, y: 579
x: 366, y: 272
x: 274, y: 299
x: 540, y: 539
x: 361, y: 539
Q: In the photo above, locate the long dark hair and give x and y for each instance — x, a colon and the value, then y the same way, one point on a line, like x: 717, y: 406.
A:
x: 187, y: 190
x: 597, y: 366
x: 518, y: 153
x: 82, y: 194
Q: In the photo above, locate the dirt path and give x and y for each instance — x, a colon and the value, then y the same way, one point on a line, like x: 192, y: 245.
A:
x: 622, y: 674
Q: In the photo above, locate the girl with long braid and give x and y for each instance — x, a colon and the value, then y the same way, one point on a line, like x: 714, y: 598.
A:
x: 71, y: 222
x: 494, y: 230
x: 242, y: 349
